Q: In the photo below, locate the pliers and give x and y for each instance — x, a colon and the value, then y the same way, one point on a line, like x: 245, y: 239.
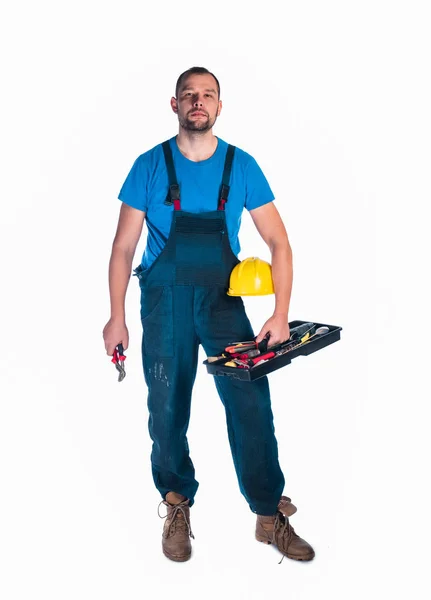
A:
x: 118, y: 359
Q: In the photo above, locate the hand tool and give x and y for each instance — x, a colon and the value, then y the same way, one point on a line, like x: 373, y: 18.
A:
x: 241, y: 347
x: 118, y: 359
x: 212, y: 359
x: 307, y: 337
x: 295, y: 333
x: 260, y: 362
x: 266, y: 357
x: 319, y: 331
x: 249, y: 354
x: 288, y: 348
x: 248, y: 349
x: 301, y: 330
x: 240, y: 363
x: 276, y: 350
x: 252, y: 362
x: 250, y: 345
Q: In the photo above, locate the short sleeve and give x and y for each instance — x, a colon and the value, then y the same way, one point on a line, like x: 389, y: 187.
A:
x: 258, y: 191
x: 134, y: 190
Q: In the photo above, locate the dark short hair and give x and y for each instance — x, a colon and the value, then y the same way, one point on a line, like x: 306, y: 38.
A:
x: 194, y: 71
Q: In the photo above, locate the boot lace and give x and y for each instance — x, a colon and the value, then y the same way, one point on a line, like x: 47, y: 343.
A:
x: 284, y: 529
x: 178, y: 518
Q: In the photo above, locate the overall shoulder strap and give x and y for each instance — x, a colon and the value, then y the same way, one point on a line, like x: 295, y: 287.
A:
x: 173, y: 196
x: 224, y: 190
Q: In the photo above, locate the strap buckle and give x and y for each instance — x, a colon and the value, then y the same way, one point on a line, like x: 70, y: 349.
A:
x: 173, y: 194
x: 224, y: 192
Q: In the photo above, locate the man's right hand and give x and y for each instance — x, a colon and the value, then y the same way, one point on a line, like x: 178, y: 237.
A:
x: 115, y: 332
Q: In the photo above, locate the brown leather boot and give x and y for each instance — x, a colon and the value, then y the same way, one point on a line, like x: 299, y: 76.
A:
x: 277, y: 530
x: 177, y: 532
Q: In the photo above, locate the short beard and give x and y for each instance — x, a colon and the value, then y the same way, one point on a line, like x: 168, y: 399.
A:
x: 197, y: 126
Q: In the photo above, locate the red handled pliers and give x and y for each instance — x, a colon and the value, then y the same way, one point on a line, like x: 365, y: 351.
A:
x: 118, y: 359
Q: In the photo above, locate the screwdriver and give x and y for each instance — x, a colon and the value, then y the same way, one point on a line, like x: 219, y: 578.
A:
x: 249, y: 345
x: 241, y: 356
x: 288, y: 347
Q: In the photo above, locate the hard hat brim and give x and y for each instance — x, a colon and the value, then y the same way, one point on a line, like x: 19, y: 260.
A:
x: 232, y: 293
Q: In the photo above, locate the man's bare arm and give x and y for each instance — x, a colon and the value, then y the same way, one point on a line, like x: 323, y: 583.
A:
x: 128, y: 232
x: 272, y: 230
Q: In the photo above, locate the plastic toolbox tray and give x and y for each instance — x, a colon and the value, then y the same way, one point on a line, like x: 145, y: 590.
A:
x: 218, y: 367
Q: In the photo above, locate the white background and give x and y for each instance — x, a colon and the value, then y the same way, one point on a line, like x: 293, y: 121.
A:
x: 333, y: 100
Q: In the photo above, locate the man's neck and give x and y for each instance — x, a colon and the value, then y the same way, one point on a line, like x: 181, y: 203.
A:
x: 196, y: 146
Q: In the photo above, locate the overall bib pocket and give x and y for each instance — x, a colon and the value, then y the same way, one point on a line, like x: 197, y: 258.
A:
x: 157, y: 321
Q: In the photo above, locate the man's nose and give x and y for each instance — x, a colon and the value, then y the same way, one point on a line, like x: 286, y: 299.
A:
x: 198, y: 101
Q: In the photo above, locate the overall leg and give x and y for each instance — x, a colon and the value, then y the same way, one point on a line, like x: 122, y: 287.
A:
x: 170, y: 352
x: 220, y: 320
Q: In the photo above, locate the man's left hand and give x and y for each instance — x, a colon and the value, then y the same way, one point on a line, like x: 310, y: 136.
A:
x: 278, y: 328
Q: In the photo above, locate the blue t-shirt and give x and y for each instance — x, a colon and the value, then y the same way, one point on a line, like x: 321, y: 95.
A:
x: 146, y: 188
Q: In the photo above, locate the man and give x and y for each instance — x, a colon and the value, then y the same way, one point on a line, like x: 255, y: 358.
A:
x: 192, y: 190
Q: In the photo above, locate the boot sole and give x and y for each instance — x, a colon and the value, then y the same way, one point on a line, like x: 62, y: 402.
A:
x: 268, y: 542
x: 176, y: 558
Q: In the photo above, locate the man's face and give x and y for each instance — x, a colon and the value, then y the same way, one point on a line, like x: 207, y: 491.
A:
x: 197, y: 105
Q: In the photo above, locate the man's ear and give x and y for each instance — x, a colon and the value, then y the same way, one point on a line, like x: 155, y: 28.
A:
x: 220, y: 106
x: 174, y: 104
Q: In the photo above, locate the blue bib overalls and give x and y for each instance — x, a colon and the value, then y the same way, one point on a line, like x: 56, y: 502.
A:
x: 184, y: 304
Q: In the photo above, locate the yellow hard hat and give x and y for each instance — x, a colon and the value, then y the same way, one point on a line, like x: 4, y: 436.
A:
x: 251, y: 277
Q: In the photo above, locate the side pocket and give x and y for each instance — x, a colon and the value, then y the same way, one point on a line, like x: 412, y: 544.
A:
x: 230, y: 319
x: 157, y: 321
x: 221, y: 302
